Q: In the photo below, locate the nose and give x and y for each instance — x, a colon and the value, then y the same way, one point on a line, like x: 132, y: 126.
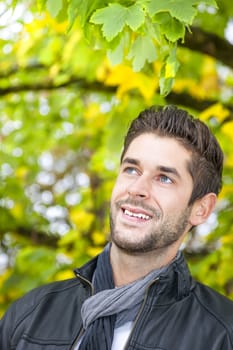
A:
x: 139, y: 188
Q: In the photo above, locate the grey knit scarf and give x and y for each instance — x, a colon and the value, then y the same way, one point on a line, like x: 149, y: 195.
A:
x: 122, y: 301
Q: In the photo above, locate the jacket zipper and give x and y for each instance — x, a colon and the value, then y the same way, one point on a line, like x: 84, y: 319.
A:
x: 92, y: 293
x: 139, y: 313
x: 135, y: 321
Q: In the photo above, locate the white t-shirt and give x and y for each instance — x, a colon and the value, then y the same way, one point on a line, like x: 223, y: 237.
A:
x: 120, y: 336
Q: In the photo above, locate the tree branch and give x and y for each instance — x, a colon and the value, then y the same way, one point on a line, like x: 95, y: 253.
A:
x: 36, y: 237
x: 209, y: 44
x: 16, y: 68
x: 187, y: 100
x: 51, y: 85
x: 183, y: 99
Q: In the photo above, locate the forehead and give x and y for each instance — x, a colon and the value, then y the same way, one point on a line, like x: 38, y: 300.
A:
x: 158, y: 150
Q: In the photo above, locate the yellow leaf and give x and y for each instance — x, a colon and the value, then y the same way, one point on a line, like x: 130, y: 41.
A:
x: 170, y: 70
x: 217, y: 111
x: 227, y: 129
x: 227, y: 190
x: 209, y: 66
x: 17, y: 211
x: 81, y: 219
x: 4, y: 277
x: 227, y: 239
x: 21, y: 172
x: 189, y: 85
x: 98, y: 237
x: 103, y: 70
x: 48, y: 21
x: 126, y: 79
x: 93, y: 251
x: 71, y: 46
x: 58, y: 27
x: 64, y: 275
x: 54, y: 70
x: 94, y: 116
x: 69, y: 238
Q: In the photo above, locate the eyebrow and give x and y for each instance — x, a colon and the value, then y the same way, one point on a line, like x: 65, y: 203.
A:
x: 131, y: 161
x: 163, y: 168
x: 169, y: 170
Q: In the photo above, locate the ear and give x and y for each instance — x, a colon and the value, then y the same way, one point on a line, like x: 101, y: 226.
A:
x: 202, y: 209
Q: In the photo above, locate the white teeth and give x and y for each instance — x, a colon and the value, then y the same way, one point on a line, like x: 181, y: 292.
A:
x: 137, y: 215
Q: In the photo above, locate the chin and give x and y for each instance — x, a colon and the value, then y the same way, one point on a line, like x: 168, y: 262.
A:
x: 133, y: 248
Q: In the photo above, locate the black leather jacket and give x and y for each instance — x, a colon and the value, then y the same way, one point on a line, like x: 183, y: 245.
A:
x: 185, y: 315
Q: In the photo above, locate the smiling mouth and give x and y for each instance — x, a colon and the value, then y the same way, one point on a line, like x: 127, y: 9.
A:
x: 137, y: 215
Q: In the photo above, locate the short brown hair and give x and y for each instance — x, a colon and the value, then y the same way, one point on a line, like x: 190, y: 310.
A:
x: 207, y: 157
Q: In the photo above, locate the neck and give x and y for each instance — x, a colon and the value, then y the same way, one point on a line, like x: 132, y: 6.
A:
x: 128, y: 267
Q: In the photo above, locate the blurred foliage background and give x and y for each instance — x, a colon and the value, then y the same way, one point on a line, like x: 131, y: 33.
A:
x: 72, y: 76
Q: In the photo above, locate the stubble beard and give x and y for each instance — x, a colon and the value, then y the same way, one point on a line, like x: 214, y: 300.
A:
x: 161, y: 236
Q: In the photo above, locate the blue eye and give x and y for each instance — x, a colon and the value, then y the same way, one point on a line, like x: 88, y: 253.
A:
x: 165, y: 179
x: 130, y: 171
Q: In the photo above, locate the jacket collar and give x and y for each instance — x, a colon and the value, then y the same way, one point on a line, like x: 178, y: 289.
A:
x: 87, y: 270
x: 174, y: 284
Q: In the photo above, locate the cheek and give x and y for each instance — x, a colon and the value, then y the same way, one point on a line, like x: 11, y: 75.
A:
x: 116, y: 190
x: 168, y: 201
x: 175, y: 203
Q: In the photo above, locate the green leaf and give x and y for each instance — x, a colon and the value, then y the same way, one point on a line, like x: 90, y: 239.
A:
x: 135, y: 16
x: 168, y: 73
x: 182, y: 10
x: 142, y: 50
x: 114, y: 17
x: 73, y: 10
x: 83, y: 9
x: 41, y: 4
x: 54, y: 7
x: 165, y: 84
x: 172, y: 65
x: 170, y: 27
x: 116, y: 54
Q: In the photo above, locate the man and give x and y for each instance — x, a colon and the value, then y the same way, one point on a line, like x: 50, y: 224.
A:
x: 138, y: 293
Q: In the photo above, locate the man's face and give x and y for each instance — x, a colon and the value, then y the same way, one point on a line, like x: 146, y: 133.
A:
x: 149, y: 204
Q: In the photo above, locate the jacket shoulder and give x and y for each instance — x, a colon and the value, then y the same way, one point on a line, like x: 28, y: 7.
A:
x: 21, y: 313
x: 54, y: 293
x: 30, y: 300
x: 216, y: 304
x: 36, y: 294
